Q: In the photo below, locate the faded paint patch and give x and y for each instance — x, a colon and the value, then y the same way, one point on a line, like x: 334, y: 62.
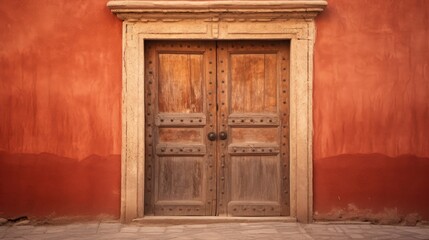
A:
x: 371, y: 78
x: 60, y: 95
x: 372, y: 181
x: 60, y: 88
x: 371, y: 110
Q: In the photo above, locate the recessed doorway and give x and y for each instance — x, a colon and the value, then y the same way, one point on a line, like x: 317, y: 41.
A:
x: 289, y: 21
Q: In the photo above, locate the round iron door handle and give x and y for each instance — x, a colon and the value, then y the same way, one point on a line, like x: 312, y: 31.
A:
x: 211, y: 136
x: 223, y: 135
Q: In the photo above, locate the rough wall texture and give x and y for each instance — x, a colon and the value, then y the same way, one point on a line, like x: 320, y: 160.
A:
x: 60, y: 100
x: 371, y: 110
x: 60, y: 109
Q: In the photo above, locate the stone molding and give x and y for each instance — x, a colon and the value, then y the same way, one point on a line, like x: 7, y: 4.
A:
x: 253, y: 9
x: 162, y: 6
x: 290, y: 20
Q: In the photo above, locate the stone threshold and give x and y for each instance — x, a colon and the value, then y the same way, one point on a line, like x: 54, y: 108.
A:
x: 176, y: 220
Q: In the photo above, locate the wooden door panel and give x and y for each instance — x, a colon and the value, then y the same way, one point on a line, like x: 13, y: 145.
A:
x: 239, y: 88
x: 251, y: 176
x: 180, y: 90
x: 254, y: 135
x: 253, y: 98
x: 184, y: 135
x: 180, y: 82
x: 173, y: 184
x: 253, y: 82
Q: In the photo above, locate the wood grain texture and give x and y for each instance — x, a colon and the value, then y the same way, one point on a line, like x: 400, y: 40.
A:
x: 254, y: 135
x: 253, y: 86
x: 178, y: 118
x: 253, y: 99
x: 245, y: 174
x: 185, y: 135
x: 255, y: 178
x: 174, y: 184
x: 180, y: 83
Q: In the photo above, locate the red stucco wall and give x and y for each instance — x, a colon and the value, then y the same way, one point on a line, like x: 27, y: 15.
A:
x: 60, y: 100
x: 371, y: 110
x: 60, y: 96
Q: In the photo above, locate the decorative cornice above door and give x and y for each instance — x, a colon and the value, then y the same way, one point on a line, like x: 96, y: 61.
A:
x: 134, y: 10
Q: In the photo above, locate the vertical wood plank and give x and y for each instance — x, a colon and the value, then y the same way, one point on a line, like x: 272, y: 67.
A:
x: 181, y: 107
x: 254, y: 101
x: 223, y: 88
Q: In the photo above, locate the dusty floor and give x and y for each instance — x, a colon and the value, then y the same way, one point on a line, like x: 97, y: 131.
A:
x: 266, y: 230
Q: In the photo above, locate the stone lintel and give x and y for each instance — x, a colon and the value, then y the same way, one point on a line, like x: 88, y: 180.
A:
x: 133, y: 7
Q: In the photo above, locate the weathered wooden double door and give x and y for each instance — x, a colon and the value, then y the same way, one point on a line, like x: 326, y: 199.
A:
x: 217, y: 130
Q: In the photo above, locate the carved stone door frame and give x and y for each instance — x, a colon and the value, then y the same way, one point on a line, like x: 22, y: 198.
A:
x: 218, y: 20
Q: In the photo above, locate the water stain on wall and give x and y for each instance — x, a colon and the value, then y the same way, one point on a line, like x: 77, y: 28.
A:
x: 60, y: 109
x: 371, y: 114
x: 40, y: 185
x: 373, y: 182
